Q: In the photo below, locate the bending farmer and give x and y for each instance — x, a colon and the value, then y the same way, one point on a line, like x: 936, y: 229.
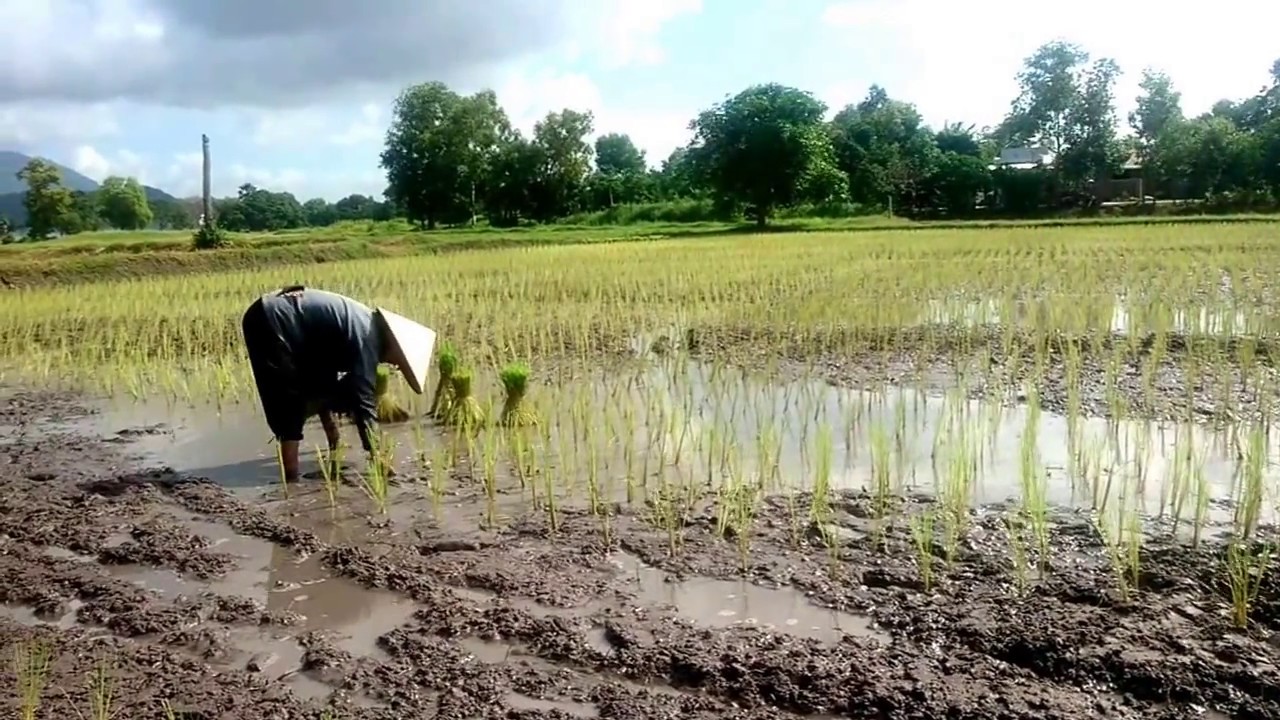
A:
x: 317, y: 351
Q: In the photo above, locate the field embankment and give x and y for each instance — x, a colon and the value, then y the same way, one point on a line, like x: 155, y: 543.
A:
x: 121, y: 255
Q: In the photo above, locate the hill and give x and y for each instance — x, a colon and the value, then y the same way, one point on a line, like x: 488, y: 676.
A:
x: 13, y: 190
x: 11, y: 162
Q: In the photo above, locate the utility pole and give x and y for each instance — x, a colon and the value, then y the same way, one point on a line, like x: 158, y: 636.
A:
x: 206, y: 207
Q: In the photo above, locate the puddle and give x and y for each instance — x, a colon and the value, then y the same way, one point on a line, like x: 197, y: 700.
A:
x: 27, y: 615
x: 723, y: 603
x: 491, y: 652
x: 231, y: 446
x: 520, y: 701
x: 274, y: 576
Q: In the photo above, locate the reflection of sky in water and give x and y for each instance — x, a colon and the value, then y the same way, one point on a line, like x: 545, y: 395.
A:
x: 1114, y: 314
x: 707, y: 420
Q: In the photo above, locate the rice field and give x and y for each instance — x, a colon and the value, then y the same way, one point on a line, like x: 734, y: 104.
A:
x: 1035, y: 401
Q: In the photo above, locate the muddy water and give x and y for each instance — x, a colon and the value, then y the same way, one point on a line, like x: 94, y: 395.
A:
x: 722, y: 603
x: 355, y: 616
x: 231, y: 446
x: 684, y: 422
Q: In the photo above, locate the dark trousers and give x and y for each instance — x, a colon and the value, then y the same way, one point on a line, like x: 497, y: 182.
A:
x: 274, y: 373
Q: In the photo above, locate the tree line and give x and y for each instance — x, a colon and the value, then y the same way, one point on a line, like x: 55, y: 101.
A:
x: 455, y: 159
x: 50, y: 208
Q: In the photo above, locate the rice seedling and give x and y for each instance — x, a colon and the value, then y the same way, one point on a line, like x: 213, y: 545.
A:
x: 32, y: 661
x: 446, y: 364
x: 1246, y: 564
x: 437, y: 479
x: 922, y: 540
x: 102, y: 687
x: 1017, y: 553
x: 376, y: 479
x: 284, y: 475
x: 464, y: 410
x: 330, y: 472
x: 515, y: 384
x: 388, y: 410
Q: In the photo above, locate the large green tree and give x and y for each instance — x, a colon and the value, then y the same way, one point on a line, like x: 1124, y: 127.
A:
x: 885, y: 149
x: 439, y: 151
x: 122, y: 202
x: 47, y: 200
x: 1066, y: 104
x: 767, y: 148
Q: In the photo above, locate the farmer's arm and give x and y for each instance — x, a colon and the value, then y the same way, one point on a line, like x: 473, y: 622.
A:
x: 363, y: 378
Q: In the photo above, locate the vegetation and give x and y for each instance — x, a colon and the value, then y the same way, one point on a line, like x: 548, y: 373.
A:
x: 768, y: 152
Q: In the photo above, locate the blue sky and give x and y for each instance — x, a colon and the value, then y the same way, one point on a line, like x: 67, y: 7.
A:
x: 297, y: 94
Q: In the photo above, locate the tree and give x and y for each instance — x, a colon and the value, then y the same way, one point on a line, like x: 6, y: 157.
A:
x: 885, y: 149
x: 617, y: 155
x: 47, y: 201
x: 6, y: 231
x: 563, y: 162
x: 438, y: 151
x: 122, y: 202
x: 958, y: 138
x: 172, y: 215
x: 956, y: 182
x: 1068, y: 107
x: 1048, y: 91
x: 766, y: 148
x: 509, y: 192
x: 317, y: 212
x: 1158, y: 107
x: 1092, y: 151
x: 265, y: 211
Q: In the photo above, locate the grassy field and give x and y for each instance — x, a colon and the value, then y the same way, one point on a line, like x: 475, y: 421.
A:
x: 120, y: 255
x: 751, y: 400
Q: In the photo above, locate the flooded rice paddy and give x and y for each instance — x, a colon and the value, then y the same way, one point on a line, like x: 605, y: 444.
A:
x: 679, y: 538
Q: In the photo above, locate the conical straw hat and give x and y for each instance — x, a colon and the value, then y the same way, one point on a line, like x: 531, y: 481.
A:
x: 411, y: 345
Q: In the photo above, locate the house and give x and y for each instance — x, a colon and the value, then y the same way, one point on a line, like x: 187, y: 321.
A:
x: 1023, y: 158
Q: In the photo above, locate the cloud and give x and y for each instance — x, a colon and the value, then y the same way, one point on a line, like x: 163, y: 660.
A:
x: 32, y: 124
x: 528, y: 96
x: 960, y: 59
x: 282, y: 53
x: 90, y: 162
x: 368, y: 127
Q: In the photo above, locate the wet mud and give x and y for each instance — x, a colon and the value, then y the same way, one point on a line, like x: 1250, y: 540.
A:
x: 219, y: 604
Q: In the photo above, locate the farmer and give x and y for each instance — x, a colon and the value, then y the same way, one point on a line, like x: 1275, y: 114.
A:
x: 317, y: 351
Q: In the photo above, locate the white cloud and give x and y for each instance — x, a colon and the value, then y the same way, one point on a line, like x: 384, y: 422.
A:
x: 627, y: 34
x: 529, y: 96
x: 291, y: 127
x: 961, y: 58
x: 90, y: 162
x: 37, y: 123
x: 368, y: 127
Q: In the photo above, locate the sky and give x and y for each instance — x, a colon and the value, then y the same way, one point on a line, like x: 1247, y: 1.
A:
x: 296, y: 94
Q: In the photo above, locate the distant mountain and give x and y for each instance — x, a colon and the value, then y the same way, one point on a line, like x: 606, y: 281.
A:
x: 12, y: 162
x: 12, y: 190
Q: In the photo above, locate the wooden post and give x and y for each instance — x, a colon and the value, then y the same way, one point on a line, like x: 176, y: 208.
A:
x: 206, y: 206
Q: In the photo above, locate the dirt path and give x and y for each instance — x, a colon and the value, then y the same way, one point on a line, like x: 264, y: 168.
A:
x: 254, y: 606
